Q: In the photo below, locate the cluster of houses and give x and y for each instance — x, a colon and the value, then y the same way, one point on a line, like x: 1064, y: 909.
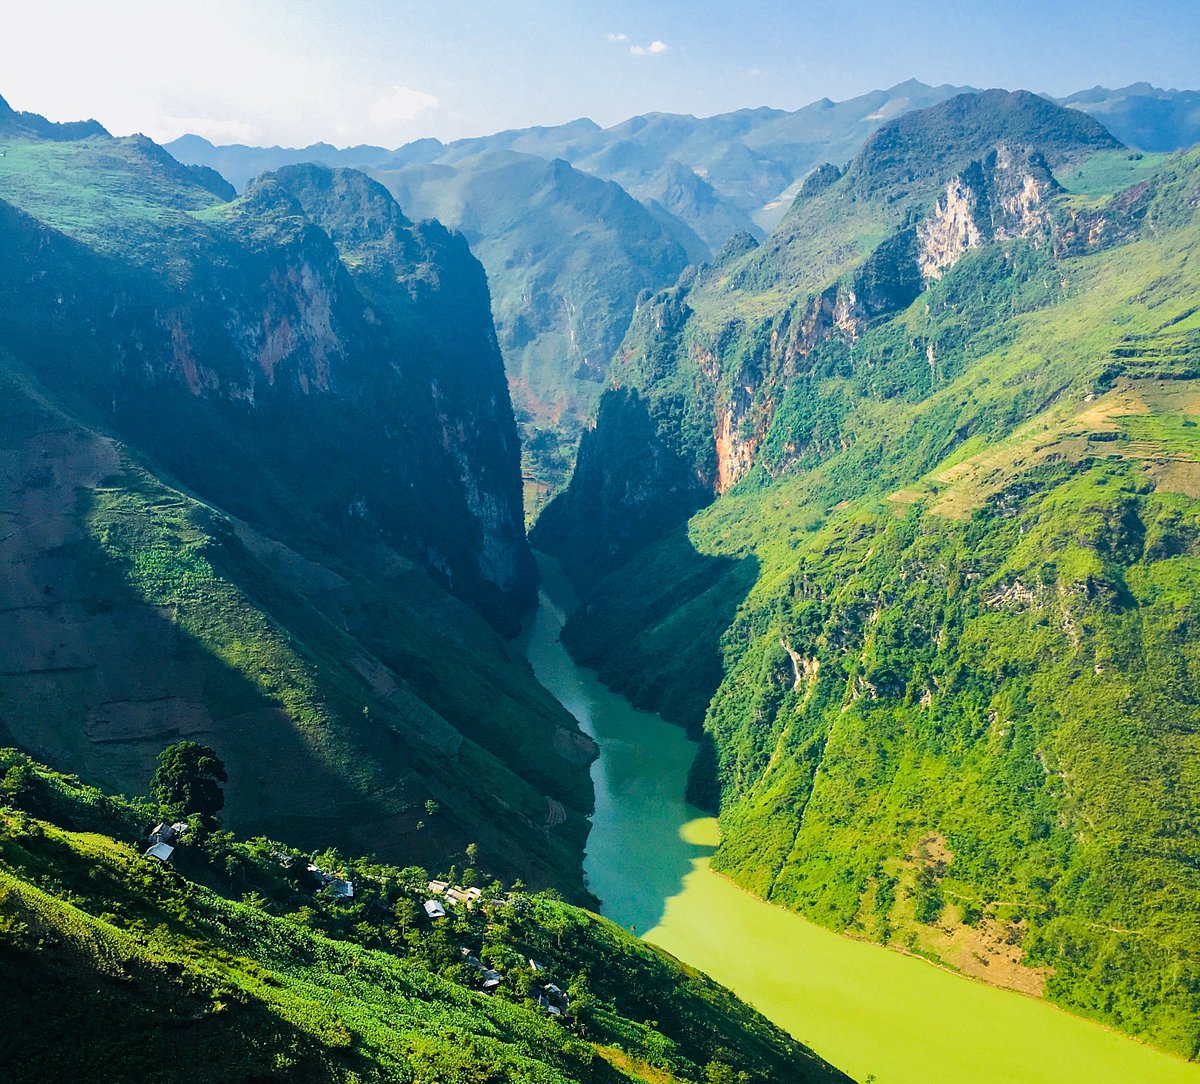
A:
x: 549, y: 997
x: 443, y: 893
x: 164, y: 838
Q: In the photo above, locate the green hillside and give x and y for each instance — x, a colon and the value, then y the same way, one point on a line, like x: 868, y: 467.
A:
x: 943, y: 600
x: 232, y: 963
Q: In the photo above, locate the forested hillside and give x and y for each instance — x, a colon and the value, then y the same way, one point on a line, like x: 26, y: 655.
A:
x: 943, y: 587
x: 235, y: 961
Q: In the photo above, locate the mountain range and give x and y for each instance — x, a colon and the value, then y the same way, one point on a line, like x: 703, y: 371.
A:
x: 565, y: 268
x: 866, y: 434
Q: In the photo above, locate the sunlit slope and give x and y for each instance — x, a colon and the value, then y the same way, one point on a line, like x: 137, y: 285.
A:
x: 230, y: 964
x: 962, y: 540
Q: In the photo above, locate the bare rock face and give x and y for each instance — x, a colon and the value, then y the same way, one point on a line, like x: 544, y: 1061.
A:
x: 952, y: 229
x: 998, y: 199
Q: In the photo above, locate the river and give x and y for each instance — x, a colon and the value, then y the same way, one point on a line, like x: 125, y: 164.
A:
x: 870, y: 1011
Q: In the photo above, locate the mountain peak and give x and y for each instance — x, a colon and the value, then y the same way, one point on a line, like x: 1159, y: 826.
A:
x: 34, y: 124
x: 943, y: 138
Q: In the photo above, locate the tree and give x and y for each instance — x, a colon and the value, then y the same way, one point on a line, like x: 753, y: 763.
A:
x: 188, y: 780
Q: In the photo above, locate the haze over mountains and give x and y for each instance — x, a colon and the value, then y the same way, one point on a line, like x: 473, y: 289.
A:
x: 704, y: 179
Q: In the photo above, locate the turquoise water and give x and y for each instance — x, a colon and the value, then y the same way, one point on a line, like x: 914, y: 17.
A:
x: 868, y: 1010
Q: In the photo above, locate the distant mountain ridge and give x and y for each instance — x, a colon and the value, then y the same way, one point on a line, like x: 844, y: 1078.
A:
x: 704, y: 180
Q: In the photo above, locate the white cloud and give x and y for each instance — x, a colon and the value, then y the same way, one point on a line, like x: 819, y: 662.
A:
x: 401, y: 105
x: 655, y: 48
x: 617, y: 37
x: 154, y: 70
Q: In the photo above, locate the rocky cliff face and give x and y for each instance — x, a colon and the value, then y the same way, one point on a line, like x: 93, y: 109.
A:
x: 996, y: 199
x: 346, y: 355
x: 940, y: 183
x: 247, y: 448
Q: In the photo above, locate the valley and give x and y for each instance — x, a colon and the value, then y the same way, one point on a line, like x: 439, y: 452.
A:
x: 777, y: 530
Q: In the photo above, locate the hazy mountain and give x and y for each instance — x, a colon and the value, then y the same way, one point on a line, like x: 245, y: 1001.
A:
x: 704, y: 180
x: 1144, y: 116
x: 567, y: 255
x: 900, y: 509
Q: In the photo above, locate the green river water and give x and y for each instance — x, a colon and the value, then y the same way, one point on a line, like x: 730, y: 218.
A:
x: 864, y: 1008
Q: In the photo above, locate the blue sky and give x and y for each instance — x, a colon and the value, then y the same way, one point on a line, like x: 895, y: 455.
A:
x: 386, y: 71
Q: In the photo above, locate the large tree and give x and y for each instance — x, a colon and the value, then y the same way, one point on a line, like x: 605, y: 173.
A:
x: 188, y: 779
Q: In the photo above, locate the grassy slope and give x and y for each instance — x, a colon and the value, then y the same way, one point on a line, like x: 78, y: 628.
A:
x: 365, y: 692
x: 227, y: 966
x: 986, y: 570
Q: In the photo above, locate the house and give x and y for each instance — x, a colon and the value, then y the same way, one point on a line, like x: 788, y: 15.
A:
x: 168, y: 833
x: 552, y: 990
x: 342, y: 889
x: 473, y: 894
x: 554, y: 1010
x: 161, y: 851
x: 491, y: 979
x: 162, y: 833
x: 534, y: 965
x: 434, y: 909
x: 438, y: 887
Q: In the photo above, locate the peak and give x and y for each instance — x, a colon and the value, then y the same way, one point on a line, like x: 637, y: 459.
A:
x: 936, y: 142
x: 189, y: 142
x: 36, y: 125
x: 351, y: 207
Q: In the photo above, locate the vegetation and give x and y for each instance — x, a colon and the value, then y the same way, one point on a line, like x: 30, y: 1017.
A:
x: 261, y: 479
x: 543, y: 230
x: 188, y: 780
x: 234, y: 963
x: 953, y: 711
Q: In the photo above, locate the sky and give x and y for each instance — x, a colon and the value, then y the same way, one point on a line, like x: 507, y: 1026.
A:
x: 293, y: 72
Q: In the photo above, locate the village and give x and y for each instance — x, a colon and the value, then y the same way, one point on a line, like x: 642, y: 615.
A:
x: 164, y: 838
